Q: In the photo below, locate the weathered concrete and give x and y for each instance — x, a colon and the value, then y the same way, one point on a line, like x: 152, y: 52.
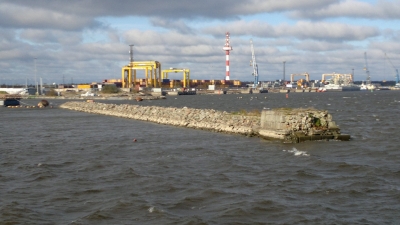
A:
x: 297, y: 125
x: 289, y: 125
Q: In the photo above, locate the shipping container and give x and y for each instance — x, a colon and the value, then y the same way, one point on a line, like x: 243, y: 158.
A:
x: 157, y: 90
x: 83, y: 86
x: 237, y: 83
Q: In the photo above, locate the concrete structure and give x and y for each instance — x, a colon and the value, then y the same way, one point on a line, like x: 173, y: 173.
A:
x: 298, y: 125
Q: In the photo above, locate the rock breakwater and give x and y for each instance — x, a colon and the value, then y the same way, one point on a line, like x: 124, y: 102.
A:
x: 206, y: 119
x: 289, y: 125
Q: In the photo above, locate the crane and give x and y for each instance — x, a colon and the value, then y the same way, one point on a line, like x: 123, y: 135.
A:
x: 368, y: 81
x: 397, y: 71
x: 254, y: 64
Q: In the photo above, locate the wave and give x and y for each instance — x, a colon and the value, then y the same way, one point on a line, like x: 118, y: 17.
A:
x: 297, y: 152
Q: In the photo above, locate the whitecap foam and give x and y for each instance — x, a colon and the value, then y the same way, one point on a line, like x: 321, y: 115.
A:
x: 151, y: 209
x: 297, y: 152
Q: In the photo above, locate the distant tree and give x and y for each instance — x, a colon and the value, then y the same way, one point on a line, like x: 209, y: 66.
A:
x: 109, y: 89
x: 52, y: 92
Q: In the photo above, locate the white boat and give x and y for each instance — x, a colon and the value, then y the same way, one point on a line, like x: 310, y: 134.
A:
x: 16, y: 91
x: 88, y: 94
x: 367, y: 87
x: 396, y: 87
x: 337, y: 87
x: 338, y: 82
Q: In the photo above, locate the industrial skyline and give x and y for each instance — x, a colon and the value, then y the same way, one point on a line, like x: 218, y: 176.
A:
x: 87, y: 40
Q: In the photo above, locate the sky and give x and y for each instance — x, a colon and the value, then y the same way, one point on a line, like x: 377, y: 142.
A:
x: 81, y: 41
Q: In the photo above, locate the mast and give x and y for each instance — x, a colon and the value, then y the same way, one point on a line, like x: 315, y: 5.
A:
x: 368, y: 80
x: 254, y: 64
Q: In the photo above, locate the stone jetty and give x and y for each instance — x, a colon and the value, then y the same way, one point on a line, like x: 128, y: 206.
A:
x: 289, y: 125
x: 206, y: 119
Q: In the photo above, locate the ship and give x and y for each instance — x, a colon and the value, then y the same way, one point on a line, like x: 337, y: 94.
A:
x: 338, y: 82
x: 367, y: 86
x: 19, y: 91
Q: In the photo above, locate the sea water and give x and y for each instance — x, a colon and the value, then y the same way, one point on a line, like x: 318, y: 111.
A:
x: 65, y: 167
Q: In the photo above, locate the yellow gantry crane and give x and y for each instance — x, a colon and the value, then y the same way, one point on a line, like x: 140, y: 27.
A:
x: 301, y: 82
x: 186, y: 75
x: 152, y: 72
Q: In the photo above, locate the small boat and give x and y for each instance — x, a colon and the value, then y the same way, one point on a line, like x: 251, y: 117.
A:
x: 367, y: 87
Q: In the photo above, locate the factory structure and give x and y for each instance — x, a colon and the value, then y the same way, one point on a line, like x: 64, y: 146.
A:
x: 137, y: 75
x: 149, y: 74
x: 156, y: 77
x: 157, y: 80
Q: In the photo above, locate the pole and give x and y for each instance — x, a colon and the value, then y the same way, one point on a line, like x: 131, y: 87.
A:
x: 131, y: 53
x: 36, y: 84
x: 41, y: 86
x: 284, y: 62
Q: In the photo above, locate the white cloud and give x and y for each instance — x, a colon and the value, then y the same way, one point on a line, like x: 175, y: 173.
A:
x: 300, y: 30
x: 88, y: 40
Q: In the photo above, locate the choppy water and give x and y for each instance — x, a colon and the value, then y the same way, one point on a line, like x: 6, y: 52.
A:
x: 65, y: 167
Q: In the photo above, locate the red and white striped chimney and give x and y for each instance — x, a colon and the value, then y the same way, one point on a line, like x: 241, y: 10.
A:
x: 227, y: 48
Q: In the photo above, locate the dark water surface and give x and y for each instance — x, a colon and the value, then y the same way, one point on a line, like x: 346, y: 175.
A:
x: 66, y: 167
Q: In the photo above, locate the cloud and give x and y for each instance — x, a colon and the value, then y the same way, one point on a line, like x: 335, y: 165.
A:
x: 42, y: 37
x: 302, y: 30
x: 321, y: 46
x: 88, y: 40
x: 179, y: 25
x: 328, y: 31
x: 168, y: 38
x: 353, y: 9
x: 221, y: 9
x: 265, y: 6
x: 22, y: 16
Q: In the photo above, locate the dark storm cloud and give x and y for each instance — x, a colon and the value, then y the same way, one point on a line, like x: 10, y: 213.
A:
x: 25, y: 16
x: 75, y: 14
x: 381, y: 9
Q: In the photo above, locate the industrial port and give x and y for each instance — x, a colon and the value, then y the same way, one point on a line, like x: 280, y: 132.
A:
x: 155, y: 81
